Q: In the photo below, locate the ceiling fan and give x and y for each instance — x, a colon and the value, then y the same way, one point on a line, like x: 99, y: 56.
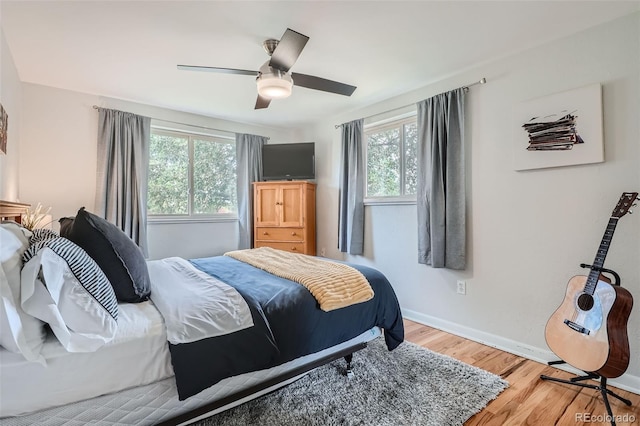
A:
x: 274, y: 80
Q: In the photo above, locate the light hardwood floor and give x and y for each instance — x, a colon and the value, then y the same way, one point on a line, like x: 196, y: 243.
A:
x: 528, y: 400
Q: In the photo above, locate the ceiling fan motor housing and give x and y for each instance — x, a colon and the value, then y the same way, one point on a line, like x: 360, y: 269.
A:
x: 270, y: 45
x: 273, y: 83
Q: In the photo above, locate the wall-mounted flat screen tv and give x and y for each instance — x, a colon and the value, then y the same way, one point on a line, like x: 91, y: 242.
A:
x: 288, y: 161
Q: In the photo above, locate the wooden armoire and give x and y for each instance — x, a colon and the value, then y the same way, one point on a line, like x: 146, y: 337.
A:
x: 284, y: 216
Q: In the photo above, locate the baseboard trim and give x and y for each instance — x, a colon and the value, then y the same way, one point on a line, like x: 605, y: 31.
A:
x: 627, y: 381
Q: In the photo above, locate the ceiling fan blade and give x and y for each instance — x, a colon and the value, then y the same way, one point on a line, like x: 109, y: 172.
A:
x: 262, y: 102
x: 317, y: 83
x: 216, y: 69
x: 288, y: 50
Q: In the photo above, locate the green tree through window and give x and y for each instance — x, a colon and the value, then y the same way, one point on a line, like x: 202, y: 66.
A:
x: 214, y: 177
x: 191, y: 175
x: 168, y: 175
x: 392, y: 159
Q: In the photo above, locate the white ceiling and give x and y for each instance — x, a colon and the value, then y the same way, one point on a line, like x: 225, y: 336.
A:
x: 130, y: 49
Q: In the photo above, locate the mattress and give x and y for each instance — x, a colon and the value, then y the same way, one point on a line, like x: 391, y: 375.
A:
x: 138, y: 355
x: 158, y: 402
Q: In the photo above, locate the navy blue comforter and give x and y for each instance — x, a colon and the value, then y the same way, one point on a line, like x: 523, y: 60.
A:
x: 288, y: 324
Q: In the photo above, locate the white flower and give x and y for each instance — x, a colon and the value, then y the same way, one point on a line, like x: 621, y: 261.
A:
x: 32, y: 218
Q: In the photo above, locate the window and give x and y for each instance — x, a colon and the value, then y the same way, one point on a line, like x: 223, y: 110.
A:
x: 191, y: 176
x: 392, y: 163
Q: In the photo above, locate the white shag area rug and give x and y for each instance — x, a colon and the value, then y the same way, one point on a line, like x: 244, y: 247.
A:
x: 408, y: 386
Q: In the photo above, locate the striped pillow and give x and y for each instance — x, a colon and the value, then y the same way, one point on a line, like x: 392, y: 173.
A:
x: 71, y: 294
x: 42, y: 235
x: 88, y: 273
x: 38, y: 240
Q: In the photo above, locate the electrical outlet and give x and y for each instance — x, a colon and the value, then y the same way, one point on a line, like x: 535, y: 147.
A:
x: 323, y: 252
x: 462, y: 287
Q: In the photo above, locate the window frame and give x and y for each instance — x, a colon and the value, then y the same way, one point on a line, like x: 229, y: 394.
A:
x: 390, y: 123
x: 191, y: 216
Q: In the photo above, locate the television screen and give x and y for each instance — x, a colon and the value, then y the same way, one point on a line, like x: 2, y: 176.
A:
x: 288, y: 161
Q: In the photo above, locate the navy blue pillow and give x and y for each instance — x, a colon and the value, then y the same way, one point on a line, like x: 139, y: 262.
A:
x: 65, y: 225
x: 118, y: 256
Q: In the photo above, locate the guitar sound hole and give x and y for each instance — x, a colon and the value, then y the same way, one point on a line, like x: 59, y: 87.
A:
x: 585, y: 302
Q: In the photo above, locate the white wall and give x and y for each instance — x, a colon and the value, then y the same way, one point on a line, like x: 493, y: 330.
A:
x: 527, y: 231
x: 10, y: 98
x: 59, y: 158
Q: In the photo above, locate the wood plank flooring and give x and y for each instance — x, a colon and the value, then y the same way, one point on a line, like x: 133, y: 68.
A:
x: 528, y: 400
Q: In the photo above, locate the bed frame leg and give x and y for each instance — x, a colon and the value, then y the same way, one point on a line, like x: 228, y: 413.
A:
x: 350, y: 373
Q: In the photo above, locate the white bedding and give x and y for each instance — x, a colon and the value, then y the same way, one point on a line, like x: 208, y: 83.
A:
x: 138, y: 355
x: 195, y: 305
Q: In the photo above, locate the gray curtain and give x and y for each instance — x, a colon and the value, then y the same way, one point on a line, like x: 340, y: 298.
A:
x: 351, y: 209
x: 441, y: 181
x: 123, y: 160
x: 249, y: 170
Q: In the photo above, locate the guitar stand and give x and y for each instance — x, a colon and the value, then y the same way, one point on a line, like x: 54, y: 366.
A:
x: 616, y: 277
x: 602, y: 387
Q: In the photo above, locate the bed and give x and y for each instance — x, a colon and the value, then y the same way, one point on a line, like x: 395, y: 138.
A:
x: 155, y: 370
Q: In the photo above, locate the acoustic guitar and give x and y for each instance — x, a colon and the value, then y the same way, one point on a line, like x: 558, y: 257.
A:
x: 589, y: 329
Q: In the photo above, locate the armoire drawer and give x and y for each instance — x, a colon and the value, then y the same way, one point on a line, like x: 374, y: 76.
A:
x: 291, y: 247
x: 279, y: 234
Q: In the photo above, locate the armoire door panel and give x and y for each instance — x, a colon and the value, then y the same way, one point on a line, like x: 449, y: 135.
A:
x: 267, y: 206
x: 292, y: 213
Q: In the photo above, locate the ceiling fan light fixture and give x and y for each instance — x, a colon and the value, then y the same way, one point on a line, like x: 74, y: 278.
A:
x: 275, y: 85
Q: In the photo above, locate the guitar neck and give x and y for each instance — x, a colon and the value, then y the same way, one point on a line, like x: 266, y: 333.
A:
x: 601, y: 255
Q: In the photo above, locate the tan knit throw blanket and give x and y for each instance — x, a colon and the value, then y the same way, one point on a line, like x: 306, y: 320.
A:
x: 334, y: 285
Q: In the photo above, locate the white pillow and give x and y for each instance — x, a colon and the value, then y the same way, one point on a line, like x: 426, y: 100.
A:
x: 19, y: 332
x: 64, y: 287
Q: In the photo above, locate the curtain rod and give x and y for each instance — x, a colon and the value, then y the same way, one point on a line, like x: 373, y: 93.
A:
x: 184, y: 124
x: 466, y: 88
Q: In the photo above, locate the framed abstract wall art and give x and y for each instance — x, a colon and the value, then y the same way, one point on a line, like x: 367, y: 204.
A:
x: 562, y: 129
x: 3, y: 130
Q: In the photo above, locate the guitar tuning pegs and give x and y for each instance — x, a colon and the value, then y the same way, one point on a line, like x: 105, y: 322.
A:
x: 630, y: 211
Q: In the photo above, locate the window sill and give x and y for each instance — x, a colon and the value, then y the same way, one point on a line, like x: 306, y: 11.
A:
x: 389, y: 201
x: 161, y: 220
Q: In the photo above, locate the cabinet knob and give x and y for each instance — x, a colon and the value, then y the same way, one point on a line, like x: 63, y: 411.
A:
x: 293, y: 233
x: 265, y: 233
x: 293, y: 249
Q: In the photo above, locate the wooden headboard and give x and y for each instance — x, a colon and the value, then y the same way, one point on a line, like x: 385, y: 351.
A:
x: 12, y: 211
